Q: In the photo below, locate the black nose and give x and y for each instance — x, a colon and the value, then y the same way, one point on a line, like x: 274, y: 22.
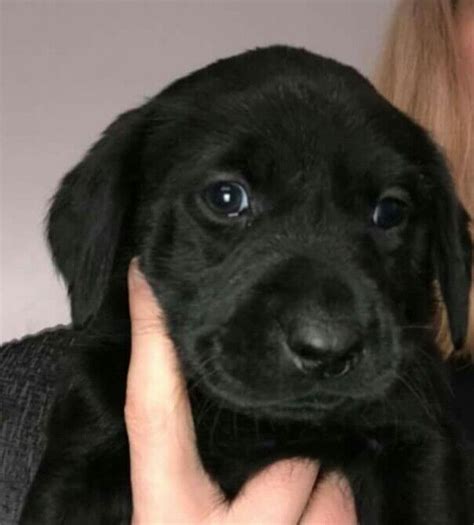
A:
x: 324, y: 348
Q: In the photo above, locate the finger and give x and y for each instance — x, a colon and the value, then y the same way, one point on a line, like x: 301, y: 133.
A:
x: 331, y: 502
x: 154, y: 384
x: 168, y: 481
x: 278, y: 494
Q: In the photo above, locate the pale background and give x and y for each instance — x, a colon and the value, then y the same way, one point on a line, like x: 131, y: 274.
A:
x: 68, y: 67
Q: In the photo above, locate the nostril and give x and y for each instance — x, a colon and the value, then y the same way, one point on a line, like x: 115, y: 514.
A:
x: 340, y: 366
x: 308, y: 352
x: 326, y: 354
x: 337, y: 369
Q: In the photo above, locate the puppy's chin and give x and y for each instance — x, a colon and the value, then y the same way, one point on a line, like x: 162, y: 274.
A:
x: 288, y: 394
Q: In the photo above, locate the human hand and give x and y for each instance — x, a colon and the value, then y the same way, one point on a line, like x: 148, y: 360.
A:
x: 169, y: 484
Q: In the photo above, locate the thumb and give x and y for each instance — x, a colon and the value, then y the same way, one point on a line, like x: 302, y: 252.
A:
x: 168, y: 481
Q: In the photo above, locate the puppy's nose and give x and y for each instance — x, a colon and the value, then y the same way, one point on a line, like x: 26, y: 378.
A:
x: 329, y: 351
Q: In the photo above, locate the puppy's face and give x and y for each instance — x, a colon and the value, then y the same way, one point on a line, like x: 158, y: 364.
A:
x: 298, y: 247
x: 286, y: 221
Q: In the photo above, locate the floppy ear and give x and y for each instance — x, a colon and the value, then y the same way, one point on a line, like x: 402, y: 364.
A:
x: 86, y: 216
x: 452, y: 257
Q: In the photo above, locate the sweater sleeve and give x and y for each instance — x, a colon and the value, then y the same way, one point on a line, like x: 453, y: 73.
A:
x: 29, y: 370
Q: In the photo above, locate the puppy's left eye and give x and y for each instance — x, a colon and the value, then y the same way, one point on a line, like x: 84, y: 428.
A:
x: 227, y: 198
x: 390, y: 212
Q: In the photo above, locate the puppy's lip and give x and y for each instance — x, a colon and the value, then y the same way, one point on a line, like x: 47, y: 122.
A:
x: 235, y: 393
x: 287, y: 407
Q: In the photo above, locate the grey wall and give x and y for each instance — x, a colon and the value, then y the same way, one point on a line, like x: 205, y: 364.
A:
x: 68, y: 67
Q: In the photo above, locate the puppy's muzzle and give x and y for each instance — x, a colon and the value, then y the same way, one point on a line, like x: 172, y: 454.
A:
x: 320, y: 331
x: 305, y: 331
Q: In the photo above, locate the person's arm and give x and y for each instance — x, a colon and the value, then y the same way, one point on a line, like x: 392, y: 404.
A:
x: 169, y: 483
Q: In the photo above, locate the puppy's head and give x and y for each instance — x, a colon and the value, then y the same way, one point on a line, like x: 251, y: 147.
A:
x: 290, y: 221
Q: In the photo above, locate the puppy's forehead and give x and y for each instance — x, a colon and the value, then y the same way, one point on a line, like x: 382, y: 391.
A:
x: 287, y: 134
x: 313, y: 123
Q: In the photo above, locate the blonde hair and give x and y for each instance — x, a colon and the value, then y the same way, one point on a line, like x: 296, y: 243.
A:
x: 421, y: 72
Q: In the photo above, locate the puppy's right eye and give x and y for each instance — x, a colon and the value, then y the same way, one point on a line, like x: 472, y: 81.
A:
x: 389, y: 213
x: 227, y: 198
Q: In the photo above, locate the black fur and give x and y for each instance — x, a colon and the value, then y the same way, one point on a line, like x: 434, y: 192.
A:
x: 316, y: 148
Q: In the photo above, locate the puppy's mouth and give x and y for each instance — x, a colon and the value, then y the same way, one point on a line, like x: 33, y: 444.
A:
x: 236, y: 395
x: 289, y: 388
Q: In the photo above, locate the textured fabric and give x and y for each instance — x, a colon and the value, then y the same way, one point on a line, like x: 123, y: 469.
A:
x: 28, y: 376
x: 29, y: 371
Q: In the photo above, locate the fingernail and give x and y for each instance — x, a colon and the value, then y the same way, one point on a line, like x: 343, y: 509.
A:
x: 134, y: 272
x: 341, y: 482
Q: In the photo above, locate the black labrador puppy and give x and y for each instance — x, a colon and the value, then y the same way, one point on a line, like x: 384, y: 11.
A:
x: 293, y: 225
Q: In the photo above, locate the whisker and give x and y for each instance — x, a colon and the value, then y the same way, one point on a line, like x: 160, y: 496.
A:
x: 214, y: 426
x: 418, y: 395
